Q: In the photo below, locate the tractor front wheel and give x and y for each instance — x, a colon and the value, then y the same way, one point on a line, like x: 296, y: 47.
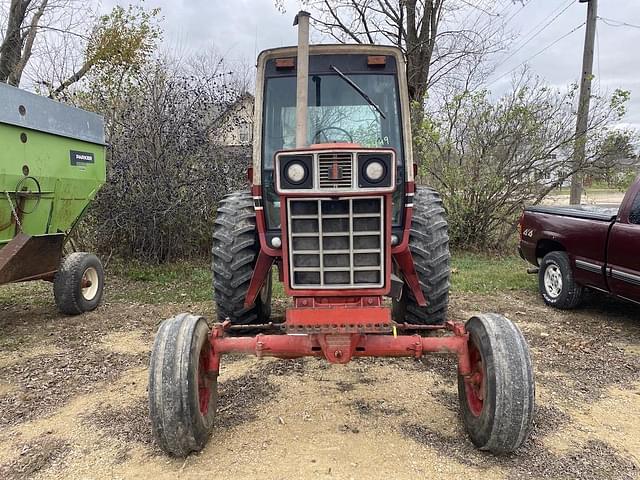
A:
x: 182, y: 392
x: 497, y: 399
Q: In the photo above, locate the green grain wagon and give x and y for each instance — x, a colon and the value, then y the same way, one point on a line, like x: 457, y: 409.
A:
x: 52, y: 164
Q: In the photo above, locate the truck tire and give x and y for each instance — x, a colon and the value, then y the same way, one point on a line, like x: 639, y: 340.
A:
x: 78, y: 269
x: 429, y: 245
x: 182, y: 394
x: 556, y: 283
x: 235, y: 251
x: 497, y: 410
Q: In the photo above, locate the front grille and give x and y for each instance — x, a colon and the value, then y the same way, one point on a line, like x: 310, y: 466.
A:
x: 335, y: 170
x: 336, y: 243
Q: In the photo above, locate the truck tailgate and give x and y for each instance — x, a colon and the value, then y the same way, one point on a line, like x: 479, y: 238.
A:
x: 588, y: 212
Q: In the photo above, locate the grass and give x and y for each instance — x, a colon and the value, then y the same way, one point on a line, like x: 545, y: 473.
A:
x: 173, y: 282
x: 191, y: 281
x: 483, y: 273
x: 184, y: 282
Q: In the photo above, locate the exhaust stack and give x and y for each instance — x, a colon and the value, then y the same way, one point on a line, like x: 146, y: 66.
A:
x: 302, y: 77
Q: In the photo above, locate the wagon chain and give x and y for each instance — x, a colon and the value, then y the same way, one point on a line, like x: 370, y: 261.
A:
x: 13, y: 210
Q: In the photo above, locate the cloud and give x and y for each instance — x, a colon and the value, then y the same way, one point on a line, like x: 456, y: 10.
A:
x: 240, y: 29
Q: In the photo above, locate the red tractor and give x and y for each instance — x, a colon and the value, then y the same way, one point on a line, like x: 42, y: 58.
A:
x: 334, y: 206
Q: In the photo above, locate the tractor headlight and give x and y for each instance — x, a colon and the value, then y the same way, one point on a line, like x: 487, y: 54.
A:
x: 296, y: 172
x: 374, y: 170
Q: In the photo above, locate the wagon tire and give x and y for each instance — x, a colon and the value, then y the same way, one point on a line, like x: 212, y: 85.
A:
x: 234, y: 254
x: 497, y: 404
x: 182, y: 394
x: 78, y: 284
x: 429, y: 246
x: 556, y: 282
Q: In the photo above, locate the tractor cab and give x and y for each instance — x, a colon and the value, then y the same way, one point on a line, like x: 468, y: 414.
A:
x: 356, y: 102
x: 333, y: 187
x: 332, y: 206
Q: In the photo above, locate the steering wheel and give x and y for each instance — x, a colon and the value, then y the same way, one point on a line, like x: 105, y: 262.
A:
x: 322, y: 131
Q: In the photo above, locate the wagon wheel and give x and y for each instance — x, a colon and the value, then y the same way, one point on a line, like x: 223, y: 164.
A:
x: 182, y: 392
x: 78, y: 284
x: 497, y: 399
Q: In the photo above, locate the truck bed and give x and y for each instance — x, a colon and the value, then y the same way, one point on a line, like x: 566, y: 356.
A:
x: 603, y: 213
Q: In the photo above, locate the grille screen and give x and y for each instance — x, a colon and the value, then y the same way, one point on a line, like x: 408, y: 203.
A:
x: 336, y: 243
x: 335, y: 170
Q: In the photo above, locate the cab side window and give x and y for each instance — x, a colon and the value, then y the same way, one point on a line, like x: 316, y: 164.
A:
x: 634, y: 216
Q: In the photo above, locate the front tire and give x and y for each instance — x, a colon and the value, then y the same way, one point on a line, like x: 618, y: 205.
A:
x: 497, y: 404
x: 429, y: 246
x: 235, y: 251
x: 78, y: 284
x: 556, y: 283
x: 182, y: 393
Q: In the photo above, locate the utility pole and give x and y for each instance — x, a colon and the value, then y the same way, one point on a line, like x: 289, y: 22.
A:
x: 583, y: 104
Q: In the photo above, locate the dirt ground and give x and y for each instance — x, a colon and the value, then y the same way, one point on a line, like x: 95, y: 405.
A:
x: 73, y: 402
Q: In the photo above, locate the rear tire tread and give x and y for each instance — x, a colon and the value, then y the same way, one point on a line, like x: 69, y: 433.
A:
x: 429, y: 245
x: 234, y: 253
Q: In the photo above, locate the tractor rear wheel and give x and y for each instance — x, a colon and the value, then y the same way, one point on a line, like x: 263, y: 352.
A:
x: 182, y: 393
x: 497, y: 401
x: 235, y: 251
x: 429, y: 245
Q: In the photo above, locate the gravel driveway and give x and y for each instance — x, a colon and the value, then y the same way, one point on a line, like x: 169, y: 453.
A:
x: 73, y: 402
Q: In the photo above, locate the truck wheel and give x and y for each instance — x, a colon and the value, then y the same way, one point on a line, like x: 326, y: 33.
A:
x: 78, y: 283
x: 556, y: 283
x: 182, y: 394
x: 429, y: 245
x: 497, y: 406
x: 235, y: 251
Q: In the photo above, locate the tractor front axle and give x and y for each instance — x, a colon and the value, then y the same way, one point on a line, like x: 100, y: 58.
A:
x: 341, y: 347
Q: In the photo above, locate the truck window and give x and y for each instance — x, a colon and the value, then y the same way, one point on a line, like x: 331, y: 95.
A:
x: 634, y: 216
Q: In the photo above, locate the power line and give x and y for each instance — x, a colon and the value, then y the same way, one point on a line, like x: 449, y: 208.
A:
x: 617, y: 23
x: 507, y: 20
x: 524, y: 5
x: 569, y: 3
x: 538, y: 53
x: 527, y: 41
x: 482, y: 9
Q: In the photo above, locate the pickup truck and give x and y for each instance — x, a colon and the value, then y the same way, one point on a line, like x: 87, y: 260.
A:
x: 582, y: 247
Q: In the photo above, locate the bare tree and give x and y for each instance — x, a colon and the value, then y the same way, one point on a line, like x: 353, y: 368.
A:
x: 56, y: 32
x: 436, y: 36
x: 31, y: 24
x: 17, y: 43
x: 490, y: 158
x: 167, y: 167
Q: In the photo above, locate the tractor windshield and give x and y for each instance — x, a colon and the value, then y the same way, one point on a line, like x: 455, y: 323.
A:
x: 337, y: 113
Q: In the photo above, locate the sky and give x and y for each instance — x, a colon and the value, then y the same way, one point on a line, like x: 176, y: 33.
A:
x: 240, y: 29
